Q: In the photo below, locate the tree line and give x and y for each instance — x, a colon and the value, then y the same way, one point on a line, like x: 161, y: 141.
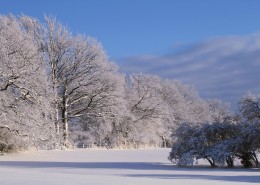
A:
x: 59, y: 90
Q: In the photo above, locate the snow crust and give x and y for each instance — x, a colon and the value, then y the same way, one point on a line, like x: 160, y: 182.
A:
x: 112, y: 167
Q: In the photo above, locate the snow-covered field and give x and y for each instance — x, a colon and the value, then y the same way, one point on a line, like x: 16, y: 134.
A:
x: 112, y: 167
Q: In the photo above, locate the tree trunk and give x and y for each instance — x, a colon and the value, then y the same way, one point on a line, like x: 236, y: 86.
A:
x: 164, y: 141
x: 212, y: 162
x: 65, y: 117
x: 56, y: 101
x: 56, y: 121
x: 246, y: 159
x: 255, y: 159
x: 230, y: 162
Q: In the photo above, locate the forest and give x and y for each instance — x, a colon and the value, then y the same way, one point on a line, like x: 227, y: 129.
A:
x: 59, y: 90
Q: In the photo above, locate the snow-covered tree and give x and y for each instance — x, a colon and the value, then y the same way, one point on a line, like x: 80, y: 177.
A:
x: 248, y: 144
x: 183, y: 153
x: 157, y: 106
x: 213, y: 142
x: 85, y: 84
x: 219, y: 110
x: 221, y: 141
x: 249, y: 107
x: 195, y: 109
x: 147, y: 110
x: 25, y: 110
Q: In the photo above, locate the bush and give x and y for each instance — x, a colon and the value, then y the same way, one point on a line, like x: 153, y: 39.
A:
x: 218, y: 143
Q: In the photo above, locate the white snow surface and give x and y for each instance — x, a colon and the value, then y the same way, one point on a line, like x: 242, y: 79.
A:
x: 113, y: 167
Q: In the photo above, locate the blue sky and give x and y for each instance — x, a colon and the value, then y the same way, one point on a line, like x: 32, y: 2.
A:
x: 201, y: 42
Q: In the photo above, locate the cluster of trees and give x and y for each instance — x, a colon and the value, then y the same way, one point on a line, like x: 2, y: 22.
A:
x: 223, y: 141
x: 60, y: 90
x: 48, y: 78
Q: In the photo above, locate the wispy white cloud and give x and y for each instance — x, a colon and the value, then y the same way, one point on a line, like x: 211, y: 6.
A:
x: 224, y: 68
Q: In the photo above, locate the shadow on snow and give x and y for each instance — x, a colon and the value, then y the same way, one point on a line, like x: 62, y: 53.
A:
x: 233, y: 178
x: 143, y: 166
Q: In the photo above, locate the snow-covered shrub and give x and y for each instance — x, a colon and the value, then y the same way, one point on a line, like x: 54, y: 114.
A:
x: 247, y: 144
x: 218, y: 143
x: 220, y: 139
x: 185, y: 145
x: 249, y: 140
x: 214, y: 142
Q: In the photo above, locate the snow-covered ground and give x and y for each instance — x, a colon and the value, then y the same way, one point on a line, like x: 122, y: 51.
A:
x: 112, y: 167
